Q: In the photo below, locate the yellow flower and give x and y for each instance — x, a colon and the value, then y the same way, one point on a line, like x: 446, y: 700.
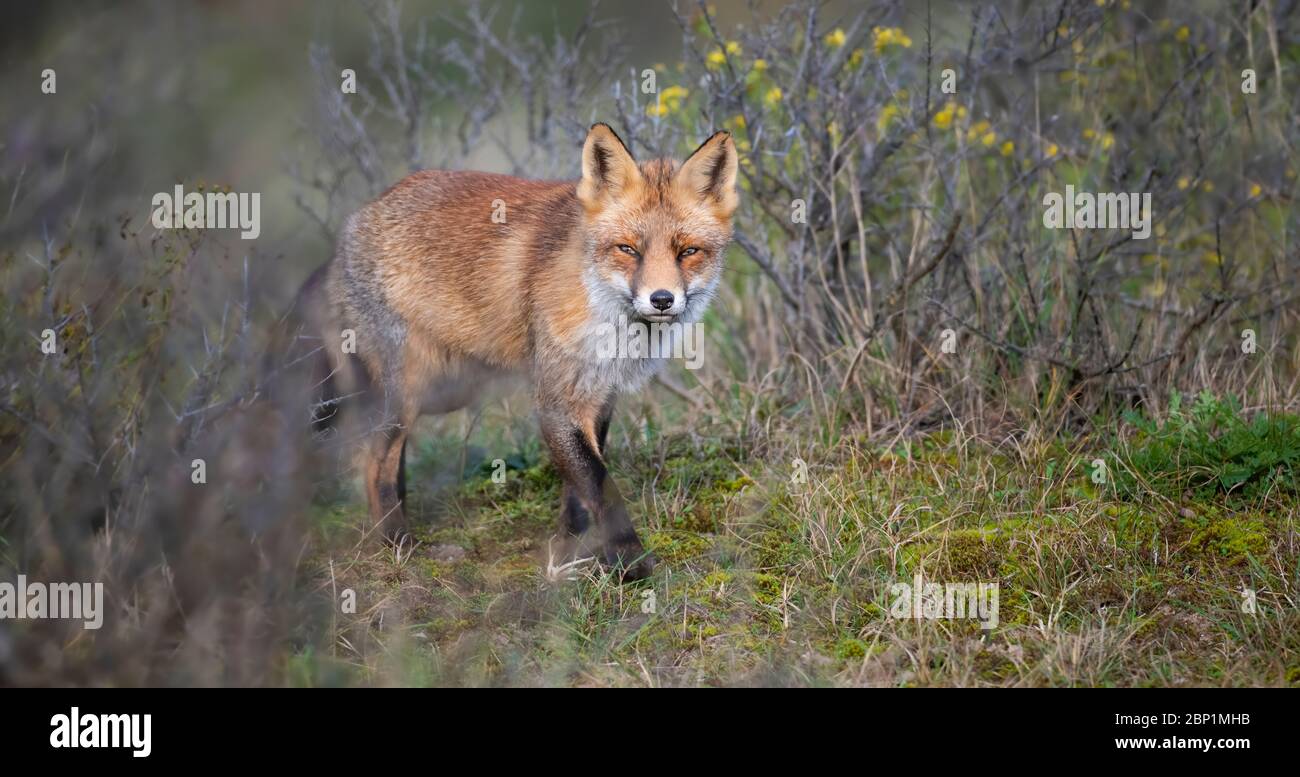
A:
x: 760, y: 65
x: 1208, y: 186
x: 989, y: 139
x: 882, y: 38
x: 742, y: 144
x: 1089, y: 134
x: 887, y: 116
x: 1051, y: 150
x: 1183, y: 34
x: 1156, y: 288
x: 1184, y: 182
x: 670, y: 101
x: 833, y: 129
x: 1107, y: 141
x: 738, y: 122
x: 1256, y: 190
x: 716, y: 59
x: 733, y: 48
x: 856, y: 57
x: 1007, y: 148
x: 943, y: 119
x: 836, y: 38
x: 773, y: 96
x: 675, y: 93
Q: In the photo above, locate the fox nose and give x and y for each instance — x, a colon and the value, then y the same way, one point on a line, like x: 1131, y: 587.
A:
x: 662, y: 299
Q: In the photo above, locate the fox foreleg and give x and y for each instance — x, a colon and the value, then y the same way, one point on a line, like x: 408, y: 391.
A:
x: 575, y: 439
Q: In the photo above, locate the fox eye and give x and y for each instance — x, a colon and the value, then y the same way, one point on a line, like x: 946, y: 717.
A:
x: 629, y: 250
x: 687, y: 252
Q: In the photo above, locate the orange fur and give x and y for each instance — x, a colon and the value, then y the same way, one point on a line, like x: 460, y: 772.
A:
x: 442, y: 296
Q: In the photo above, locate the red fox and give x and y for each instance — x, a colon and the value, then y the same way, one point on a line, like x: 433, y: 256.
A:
x: 438, y: 297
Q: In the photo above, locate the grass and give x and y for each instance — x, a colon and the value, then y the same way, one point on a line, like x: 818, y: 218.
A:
x: 768, y: 580
x: 1210, y: 446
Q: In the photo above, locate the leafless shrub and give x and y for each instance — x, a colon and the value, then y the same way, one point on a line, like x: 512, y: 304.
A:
x: 916, y: 222
x: 98, y: 444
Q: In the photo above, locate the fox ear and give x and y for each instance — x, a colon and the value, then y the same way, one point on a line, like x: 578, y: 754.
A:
x: 607, y: 166
x: 711, y: 171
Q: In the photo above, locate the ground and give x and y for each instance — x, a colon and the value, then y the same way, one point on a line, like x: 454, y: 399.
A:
x: 770, y: 577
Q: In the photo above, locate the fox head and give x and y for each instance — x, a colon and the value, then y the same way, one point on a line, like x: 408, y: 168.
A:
x: 656, y: 232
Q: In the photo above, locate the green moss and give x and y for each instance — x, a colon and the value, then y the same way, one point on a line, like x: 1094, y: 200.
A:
x: 1231, y: 540
x: 716, y: 579
x: 698, y: 518
x: 959, y: 554
x: 849, y: 648
x: 780, y: 544
x: 711, y: 485
x: 768, y: 589
x: 714, y: 596
x: 677, y: 545
x: 735, y: 485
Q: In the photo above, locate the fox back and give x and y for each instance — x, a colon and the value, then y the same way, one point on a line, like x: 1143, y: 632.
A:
x: 497, y: 268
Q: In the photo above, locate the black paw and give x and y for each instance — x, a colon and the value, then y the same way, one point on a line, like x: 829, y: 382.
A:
x: 630, y: 560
